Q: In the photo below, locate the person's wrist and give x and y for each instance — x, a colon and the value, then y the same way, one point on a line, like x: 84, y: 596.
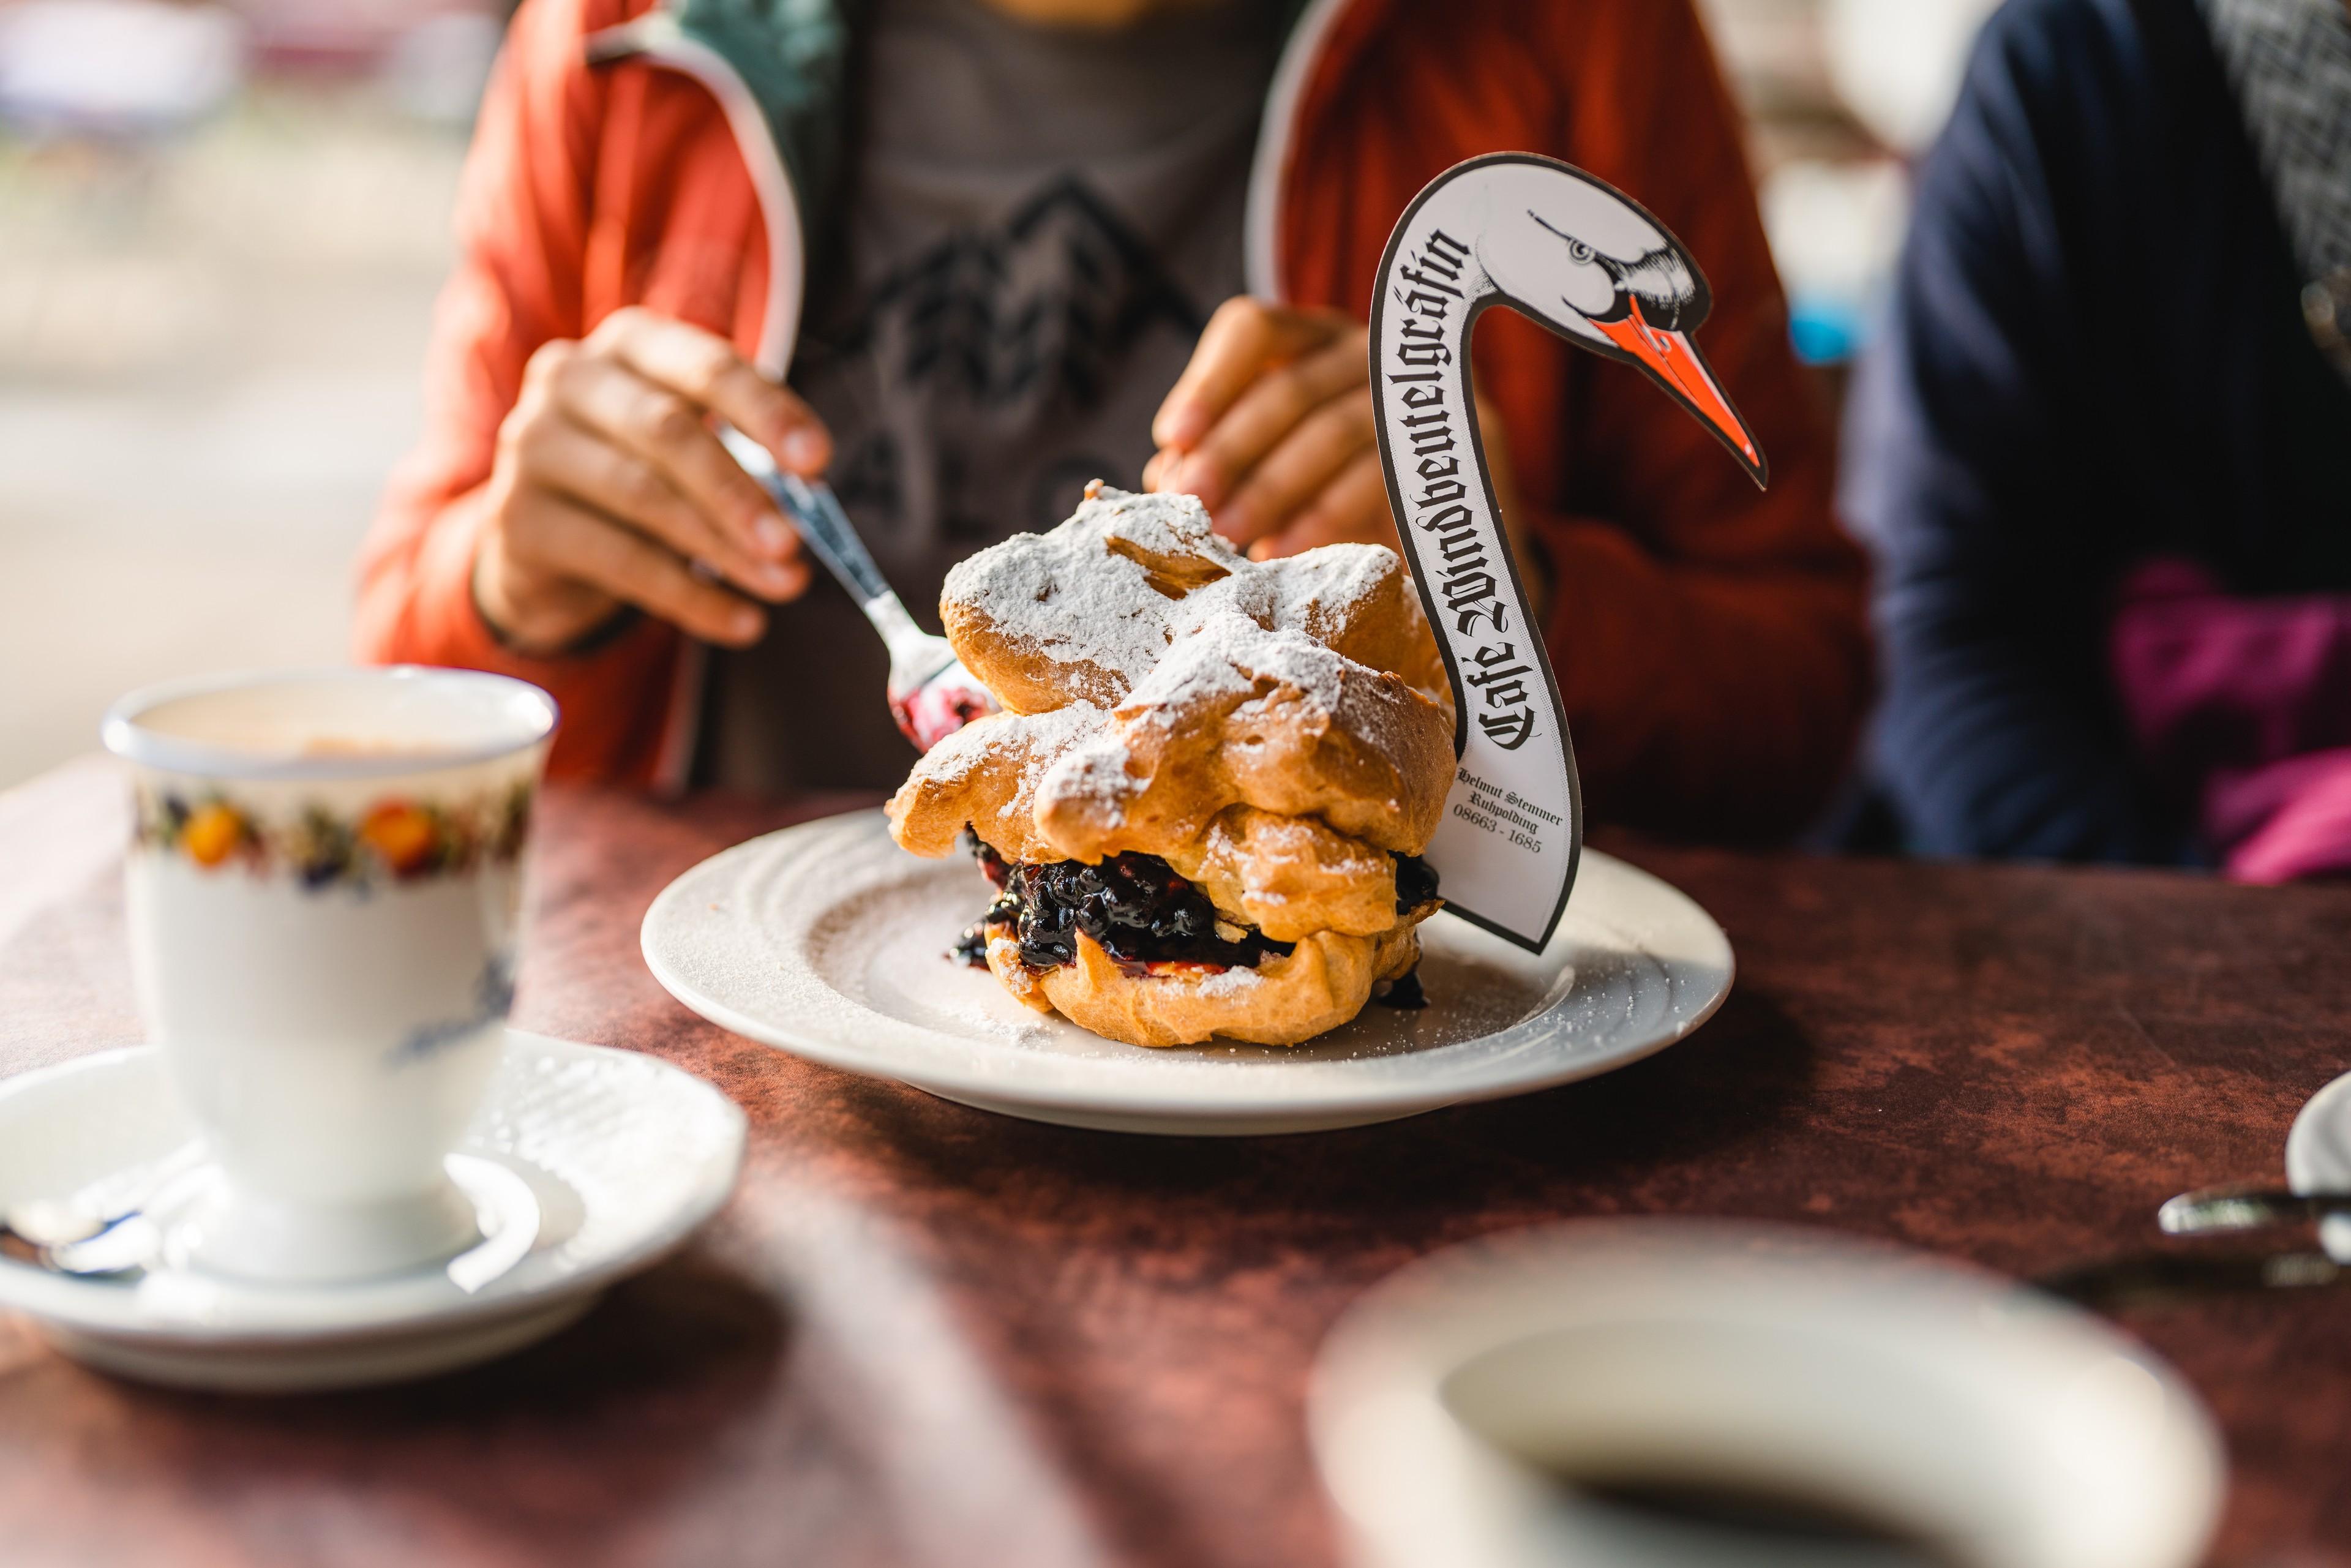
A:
x: 550, y: 631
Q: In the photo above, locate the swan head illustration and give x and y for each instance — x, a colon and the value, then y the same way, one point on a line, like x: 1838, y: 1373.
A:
x: 1593, y: 265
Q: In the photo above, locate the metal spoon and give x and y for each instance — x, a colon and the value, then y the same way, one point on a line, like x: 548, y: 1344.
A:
x: 2245, y: 1206
x: 931, y: 694
x: 104, y: 1228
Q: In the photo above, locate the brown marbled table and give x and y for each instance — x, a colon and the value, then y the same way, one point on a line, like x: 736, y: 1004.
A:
x: 923, y: 1334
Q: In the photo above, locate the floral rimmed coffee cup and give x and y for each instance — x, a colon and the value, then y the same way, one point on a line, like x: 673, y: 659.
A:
x: 325, y: 891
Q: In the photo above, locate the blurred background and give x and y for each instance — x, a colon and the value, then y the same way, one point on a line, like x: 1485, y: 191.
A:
x: 222, y: 227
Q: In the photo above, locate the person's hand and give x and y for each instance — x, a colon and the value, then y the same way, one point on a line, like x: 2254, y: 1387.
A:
x: 1270, y: 426
x: 611, y: 489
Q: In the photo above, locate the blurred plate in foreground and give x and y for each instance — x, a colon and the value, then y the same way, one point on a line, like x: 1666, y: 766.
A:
x: 1705, y: 1393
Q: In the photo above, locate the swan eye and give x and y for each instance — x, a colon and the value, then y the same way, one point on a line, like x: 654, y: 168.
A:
x: 1580, y: 253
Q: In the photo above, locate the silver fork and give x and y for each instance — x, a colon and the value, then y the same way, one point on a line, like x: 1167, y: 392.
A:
x: 931, y: 694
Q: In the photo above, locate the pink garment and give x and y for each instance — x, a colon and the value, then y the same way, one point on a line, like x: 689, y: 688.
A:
x: 2243, y: 706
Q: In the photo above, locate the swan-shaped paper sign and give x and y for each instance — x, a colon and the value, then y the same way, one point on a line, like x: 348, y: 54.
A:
x: 1590, y: 264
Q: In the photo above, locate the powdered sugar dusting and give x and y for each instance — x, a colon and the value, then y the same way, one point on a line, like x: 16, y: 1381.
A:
x: 1202, y: 680
x: 1231, y: 656
x: 1068, y: 596
x: 1230, y: 982
x: 1130, y: 574
x: 1011, y: 739
x: 1097, y: 769
x: 1026, y: 745
x: 1324, y: 585
x: 1212, y: 661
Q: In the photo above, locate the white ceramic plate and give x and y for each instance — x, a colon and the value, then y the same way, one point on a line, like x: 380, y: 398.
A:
x: 2318, y: 1157
x: 1994, y: 1427
x: 828, y: 941
x: 612, y: 1157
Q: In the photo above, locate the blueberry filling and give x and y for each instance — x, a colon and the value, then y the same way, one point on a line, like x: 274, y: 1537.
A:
x: 1140, y: 911
x: 1415, y: 882
x: 1134, y: 905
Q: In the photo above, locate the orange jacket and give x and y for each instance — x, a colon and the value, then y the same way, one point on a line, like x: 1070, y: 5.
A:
x: 1709, y: 639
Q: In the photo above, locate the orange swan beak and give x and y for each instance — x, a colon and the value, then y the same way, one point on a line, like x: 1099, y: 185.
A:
x: 1673, y: 362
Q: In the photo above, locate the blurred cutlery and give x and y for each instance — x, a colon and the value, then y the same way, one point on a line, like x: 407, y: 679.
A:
x: 2143, y: 1278
x: 2245, y: 1206
x: 2149, y: 1278
x: 103, y: 1227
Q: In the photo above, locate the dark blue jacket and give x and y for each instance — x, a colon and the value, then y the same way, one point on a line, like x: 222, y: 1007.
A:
x: 2096, y: 354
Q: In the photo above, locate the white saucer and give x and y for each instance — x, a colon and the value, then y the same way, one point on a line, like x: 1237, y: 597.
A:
x: 828, y: 941
x: 1995, y: 1425
x: 2318, y: 1157
x: 605, y: 1160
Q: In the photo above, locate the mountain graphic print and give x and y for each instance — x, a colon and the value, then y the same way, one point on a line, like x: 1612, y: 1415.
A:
x: 979, y: 386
